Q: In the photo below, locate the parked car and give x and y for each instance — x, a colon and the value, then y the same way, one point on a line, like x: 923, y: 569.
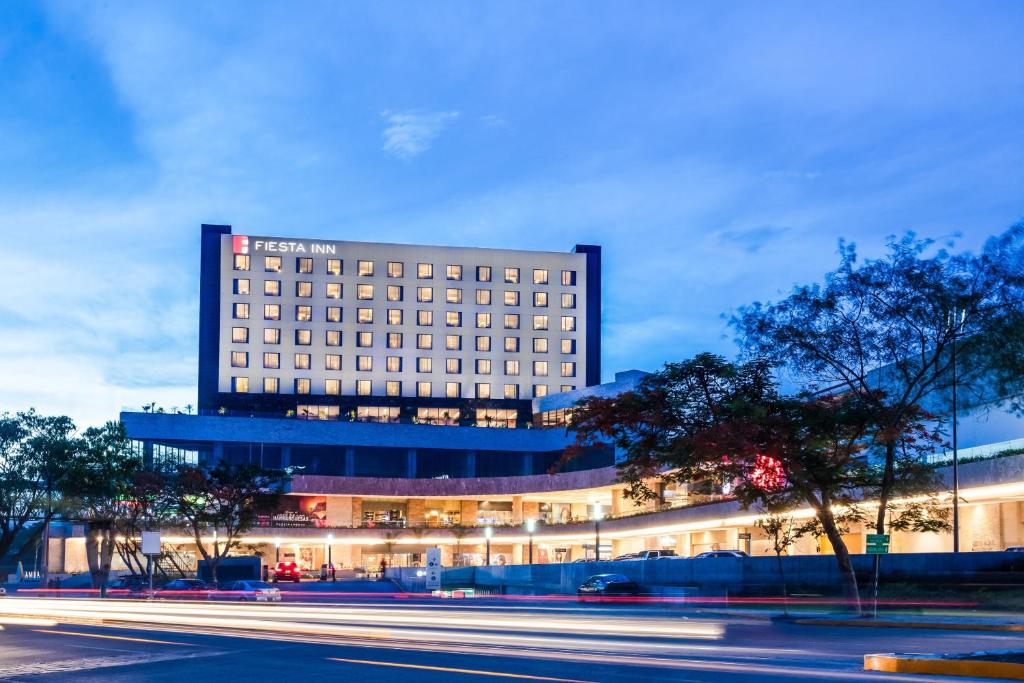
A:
x: 721, y: 553
x: 247, y: 591
x: 654, y: 554
x: 1015, y: 549
x: 129, y: 585
x: 624, y: 558
x: 184, y: 588
x: 608, y: 584
x: 287, y: 571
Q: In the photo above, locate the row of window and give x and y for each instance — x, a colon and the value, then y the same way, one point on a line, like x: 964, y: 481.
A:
x: 395, y: 340
x: 364, y: 387
x: 424, y: 271
x: 452, y: 366
x: 396, y: 316
x: 453, y: 295
x: 484, y: 417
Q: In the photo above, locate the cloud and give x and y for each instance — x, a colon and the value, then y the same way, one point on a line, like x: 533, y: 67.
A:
x: 410, y: 133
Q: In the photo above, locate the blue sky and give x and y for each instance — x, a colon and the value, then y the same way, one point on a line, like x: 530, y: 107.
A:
x: 717, y: 151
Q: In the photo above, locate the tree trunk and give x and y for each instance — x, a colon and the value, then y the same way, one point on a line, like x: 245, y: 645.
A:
x: 849, y: 577
x: 99, y: 550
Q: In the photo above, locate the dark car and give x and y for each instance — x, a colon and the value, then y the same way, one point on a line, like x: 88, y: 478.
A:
x: 184, y: 588
x: 721, y: 553
x: 608, y: 584
x: 129, y: 585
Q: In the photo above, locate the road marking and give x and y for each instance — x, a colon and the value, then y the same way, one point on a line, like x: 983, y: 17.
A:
x: 448, y: 669
x: 100, y: 635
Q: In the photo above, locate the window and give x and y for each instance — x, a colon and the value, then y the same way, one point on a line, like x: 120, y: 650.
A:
x: 540, y: 345
x: 241, y: 262
x: 453, y: 342
x: 393, y: 388
x: 239, y: 359
x: 511, y: 298
x: 483, y: 366
x: 304, y: 289
x: 334, y: 266
x: 453, y: 295
x: 240, y: 335
x: 394, y: 340
x: 425, y: 271
x: 272, y: 288
x: 483, y: 320
x: 364, y: 292
x: 364, y: 363
x: 451, y: 390
x: 512, y: 344
x: 496, y: 417
x: 512, y: 276
x: 240, y: 385
x: 363, y: 387
x: 568, y: 369
x: 393, y: 364
x: 483, y: 273
x: 512, y: 367
x: 395, y: 292
x: 453, y: 272
x: 364, y: 340
x: 332, y: 314
x: 332, y: 387
x: 424, y: 341
x: 241, y: 286
x: 567, y: 387
x: 240, y: 311
x: 483, y: 343
x: 540, y: 322
x: 302, y: 385
x: 271, y: 335
x: 568, y: 323
x: 424, y: 364
x: 333, y: 338
x: 384, y: 414
x: 303, y: 337
x: 483, y: 297
x: 568, y: 301
x: 423, y: 389
x: 333, y: 290
x: 540, y: 390
x: 453, y: 366
x: 396, y: 269
x: 511, y: 321
x: 271, y: 311
x: 483, y: 390
x: 424, y: 294
x: 303, y: 314
x: 364, y: 268
x: 453, y: 319
x: 270, y: 385
x: 568, y: 277
x: 302, y: 361
x: 364, y: 315
x: 540, y: 276
x: 303, y: 264
x: 394, y: 316
x: 540, y: 368
x: 540, y: 299
x: 272, y: 264
x: 425, y: 318
x: 332, y: 361
x: 568, y: 346
x: 512, y: 391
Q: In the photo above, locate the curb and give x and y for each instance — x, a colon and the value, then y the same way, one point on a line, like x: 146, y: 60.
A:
x: 937, y: 625
x: 938, y: 665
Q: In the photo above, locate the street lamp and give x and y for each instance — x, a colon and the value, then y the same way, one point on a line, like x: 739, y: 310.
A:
x: 277, y: 550
x: 957, y: 328
x: 531, y: 526
x: 488, y: 532
x: 598, y: 514
x: 330, y: 561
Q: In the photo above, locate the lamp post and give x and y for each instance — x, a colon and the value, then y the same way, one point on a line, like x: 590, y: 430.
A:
x: 957, y: 327
x: 598, y: 514
x: 488, y: 532
x: 330, y: 560
x: 277, y: 550
x: 531, y: 526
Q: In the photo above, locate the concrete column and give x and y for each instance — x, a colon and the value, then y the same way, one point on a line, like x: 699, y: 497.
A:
x: 147, y: 455
x: 447, y: 555
x: 468, y: 512
x: 616, y: 502
x: 357, y: 511
x: 683, y: 546
x: 410, y: 468
x: 531, y: 510
x: 339, y: 511
x: 519, y: 554
x: 350, y: 461
x: 517, y: 509
x: 416, y: 511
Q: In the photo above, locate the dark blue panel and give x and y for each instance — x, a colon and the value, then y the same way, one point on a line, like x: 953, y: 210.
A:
x: 593, y: 285
x: 209, y: 313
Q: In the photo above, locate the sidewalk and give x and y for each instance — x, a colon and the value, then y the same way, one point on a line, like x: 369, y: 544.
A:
x: 968, y: 621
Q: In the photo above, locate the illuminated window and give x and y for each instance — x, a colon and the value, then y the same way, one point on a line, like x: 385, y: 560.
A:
x: 240, y: 385
x: 483, y: 366
x: 453, y: 366
x: 334, y: 266
x: 424, y: 294
x: 483, y: 390
x: 364, y: 340
x: 496, y: 417
x: 241, y: 262
x: 364, y: 315
x: 451, y: 390
x: 567, y: 387
x: 540, y: 368
x: 393, y: 364
x: 540, y: 322
x: 453, y: 342
x: 483, y: 343
x: 384, y: 414
x: 303, y: 265
x: 332, y: 387
x: 271, y: 335
x: 540, y: 345
x: 241, y: 286
x: 240, y: 335
x: 303, y: 314
x: 304, y: 289
x: 396, y: 269
x: 364, y: 363
x: 271, y: 360
x: 364, y: 267
x: 240, y: 311
x: 333, y: 290
x: 568, y: 301
x: 512, y: 367
x: 272, y: 288
x: 271, y: 311
x: 540, y: 276
x: 394, y: 340
x: 483, y: 297
x: 394, y: 316
x: 239, y: 359
x: 453, y: 272
x: 483, y: 320
x: 272, y: 264
x: 512, y: 344
x: 424, y: 364
x: 332, y: 361
x: 540, y: 299
x: 364, y: 292
x: 540, y: 390
x: 393, y: 388
x: 568, y: 369
x: 270, y: 385
x: 423, y: 389
x: 511, y: 298
x: 424, y: 271
x: 394, y: 292
x: 511, y: 321
x: 512, y: 276
x: 568, y: 277
x: 568, y: 346
x: 333, y: 314
x: 363, y: 387
x: 302, y: 385
x: 568, y: 323
x: 453, y: 319
x: 425, y: 318
x: 512, y: 391
x: 333, y: 338
x: 453, y: 295
x: 302, y: 361
x: 424, y: 341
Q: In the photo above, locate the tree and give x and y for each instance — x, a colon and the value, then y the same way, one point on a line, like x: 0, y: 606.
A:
x: 883, y: 332
x: 782, y: 534
x: 225, y: 500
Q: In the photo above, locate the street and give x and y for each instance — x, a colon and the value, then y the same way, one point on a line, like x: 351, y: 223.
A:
x: 383, y: 640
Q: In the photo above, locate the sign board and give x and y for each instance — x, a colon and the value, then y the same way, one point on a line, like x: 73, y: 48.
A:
x: 743, y: 537
x: 433, y: 568
x: 151, y: 543
x: 878, y: 538
x: 877, y: 549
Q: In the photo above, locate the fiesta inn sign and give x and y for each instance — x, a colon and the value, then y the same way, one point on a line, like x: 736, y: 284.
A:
x: 240, y: 244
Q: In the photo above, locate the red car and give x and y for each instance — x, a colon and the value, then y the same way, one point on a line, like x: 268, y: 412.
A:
x: 287, y: 571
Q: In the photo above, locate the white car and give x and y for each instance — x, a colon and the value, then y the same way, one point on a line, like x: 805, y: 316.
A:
x: 247, y: 591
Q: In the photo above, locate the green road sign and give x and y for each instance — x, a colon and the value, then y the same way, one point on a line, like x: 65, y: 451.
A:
x: 878, y: 538
x: 878, y: 549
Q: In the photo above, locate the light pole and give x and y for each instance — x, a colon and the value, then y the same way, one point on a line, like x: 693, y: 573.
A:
x: 531, y: 526
x: 598, y: 514
x: 330, y: 560
x: 277, y: 550
x: 957, y: 328
x: 488, y: 532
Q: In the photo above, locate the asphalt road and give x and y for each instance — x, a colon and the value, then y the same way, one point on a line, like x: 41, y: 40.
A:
x: 446, y: 641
